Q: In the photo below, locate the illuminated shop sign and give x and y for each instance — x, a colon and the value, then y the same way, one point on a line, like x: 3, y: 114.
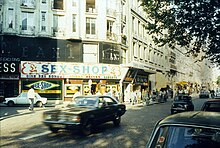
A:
x: 42, y: 85
x: 69, y: 70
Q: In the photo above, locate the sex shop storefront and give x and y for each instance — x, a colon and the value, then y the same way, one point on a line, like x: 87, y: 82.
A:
x: 60, y: 80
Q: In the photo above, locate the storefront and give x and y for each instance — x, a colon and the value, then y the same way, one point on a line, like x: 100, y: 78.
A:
x: 137, y: 80
x: 64, y: 78
x: 9, y: 77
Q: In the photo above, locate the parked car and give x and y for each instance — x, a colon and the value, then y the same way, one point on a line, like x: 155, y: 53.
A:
x: 181, y: 103
x: 211, y: 105
x: 84, y: 113
x: 22, y: 99
x: 195, y: 129
x: 204, y: 94
x: 217, y: 95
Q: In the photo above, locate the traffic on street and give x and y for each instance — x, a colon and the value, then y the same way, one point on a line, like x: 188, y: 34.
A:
x: 23, y: 128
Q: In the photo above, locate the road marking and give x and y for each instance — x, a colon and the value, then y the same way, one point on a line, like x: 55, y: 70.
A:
x: 36, y: 135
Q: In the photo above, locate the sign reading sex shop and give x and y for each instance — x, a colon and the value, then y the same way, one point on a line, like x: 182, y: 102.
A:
x: 32, y: 69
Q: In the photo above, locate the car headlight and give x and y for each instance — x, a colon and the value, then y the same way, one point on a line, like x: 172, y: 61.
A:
x: 74, y: 119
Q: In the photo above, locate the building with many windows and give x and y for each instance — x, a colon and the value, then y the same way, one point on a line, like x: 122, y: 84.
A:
x: 92, y: 45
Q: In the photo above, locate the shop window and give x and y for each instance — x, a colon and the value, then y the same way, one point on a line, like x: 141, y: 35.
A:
x: 71, y: 89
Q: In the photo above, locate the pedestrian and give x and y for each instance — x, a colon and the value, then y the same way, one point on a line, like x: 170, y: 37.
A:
x: 31, y: 97
x: 77, y: 93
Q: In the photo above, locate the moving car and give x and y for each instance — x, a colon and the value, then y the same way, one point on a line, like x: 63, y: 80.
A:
x: 204, y: 94
x: 195, y: 129
x: 84, y: 113
x: 181, y: 103
x: 211, y: 105
x: 22, y: 99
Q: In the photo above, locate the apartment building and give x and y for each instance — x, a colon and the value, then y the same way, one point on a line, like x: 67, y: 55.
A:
x: 60, y: 45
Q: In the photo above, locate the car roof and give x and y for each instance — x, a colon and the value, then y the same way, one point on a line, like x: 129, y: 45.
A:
x: 199, y: 118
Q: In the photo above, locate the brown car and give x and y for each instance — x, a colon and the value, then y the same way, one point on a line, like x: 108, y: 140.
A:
x: 84, y: 113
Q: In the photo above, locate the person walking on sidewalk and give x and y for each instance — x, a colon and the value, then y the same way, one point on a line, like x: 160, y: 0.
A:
x: 31, y: 97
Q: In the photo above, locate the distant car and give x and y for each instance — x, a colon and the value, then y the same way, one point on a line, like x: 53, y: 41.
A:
x: 211, y: 105
x: 204, y: 94
x: 181, y: 103
x: 23, y: 100
x: 84, y: 113
x: 195, y: 129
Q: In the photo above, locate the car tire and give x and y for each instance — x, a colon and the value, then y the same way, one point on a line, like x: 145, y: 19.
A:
x: 117, y: 121
x: 10, y: 103
x: 39, y: 104
x: 54, y: 130
x: 87, y: 128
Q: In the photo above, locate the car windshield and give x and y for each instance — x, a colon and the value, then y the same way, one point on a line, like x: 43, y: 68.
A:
x: 182, y: 98
x: 186, y: 137
x: 84, y: 101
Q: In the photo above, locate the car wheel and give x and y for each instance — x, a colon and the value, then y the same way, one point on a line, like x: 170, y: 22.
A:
x: 87, y: 128
x: 117, y: 121
x: 54, y: 130
x: 172, y: 112
x: 39, y: 104
x: 10, y: 103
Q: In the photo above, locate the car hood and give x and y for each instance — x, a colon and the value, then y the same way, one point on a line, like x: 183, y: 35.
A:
x: 70, y: 110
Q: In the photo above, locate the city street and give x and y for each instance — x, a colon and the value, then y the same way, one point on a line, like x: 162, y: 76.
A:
x: 27, y: 130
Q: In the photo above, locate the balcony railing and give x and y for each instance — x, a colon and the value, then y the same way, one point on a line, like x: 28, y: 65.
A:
x: 111, y: 12
x: 58, y: 31
x: 91, y: 10
x: 28, y: 3
x: 111, y: 36
x: 30, y: 30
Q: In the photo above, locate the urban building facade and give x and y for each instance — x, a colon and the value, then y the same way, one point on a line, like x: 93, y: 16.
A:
x: 92, y: 45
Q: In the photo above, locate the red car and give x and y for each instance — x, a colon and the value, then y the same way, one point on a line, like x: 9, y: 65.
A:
x: 211, y: 105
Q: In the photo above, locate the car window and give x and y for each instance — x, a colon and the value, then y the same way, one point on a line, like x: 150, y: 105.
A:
x: 109, y: 101
x: 83, y: 101
x: 212, y: 107
x: 181, y: 137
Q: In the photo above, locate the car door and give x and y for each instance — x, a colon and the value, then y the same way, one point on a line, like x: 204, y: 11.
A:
x: 22, y: 99
x: 102, y: 111
x: 112, y: 107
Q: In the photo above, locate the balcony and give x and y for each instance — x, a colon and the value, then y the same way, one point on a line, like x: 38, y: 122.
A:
x: 58, y: 31
x: 111, y: 36
x: 27, y: 30
x: 111, y: 13
x: 30, y: 4
x: 91, y: 10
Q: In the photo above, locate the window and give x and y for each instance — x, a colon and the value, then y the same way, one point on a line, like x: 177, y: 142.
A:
x: 43, y: 21
x: 109, y: 25
x: 90, y: 6
x: 90, y: 26
x: 73, y: 23
x: 27, y: 21
x: 10, y: 17
x: 58, y: 4
x: 58, y: 23
x: 90, y: 53
x: 74, y: 4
